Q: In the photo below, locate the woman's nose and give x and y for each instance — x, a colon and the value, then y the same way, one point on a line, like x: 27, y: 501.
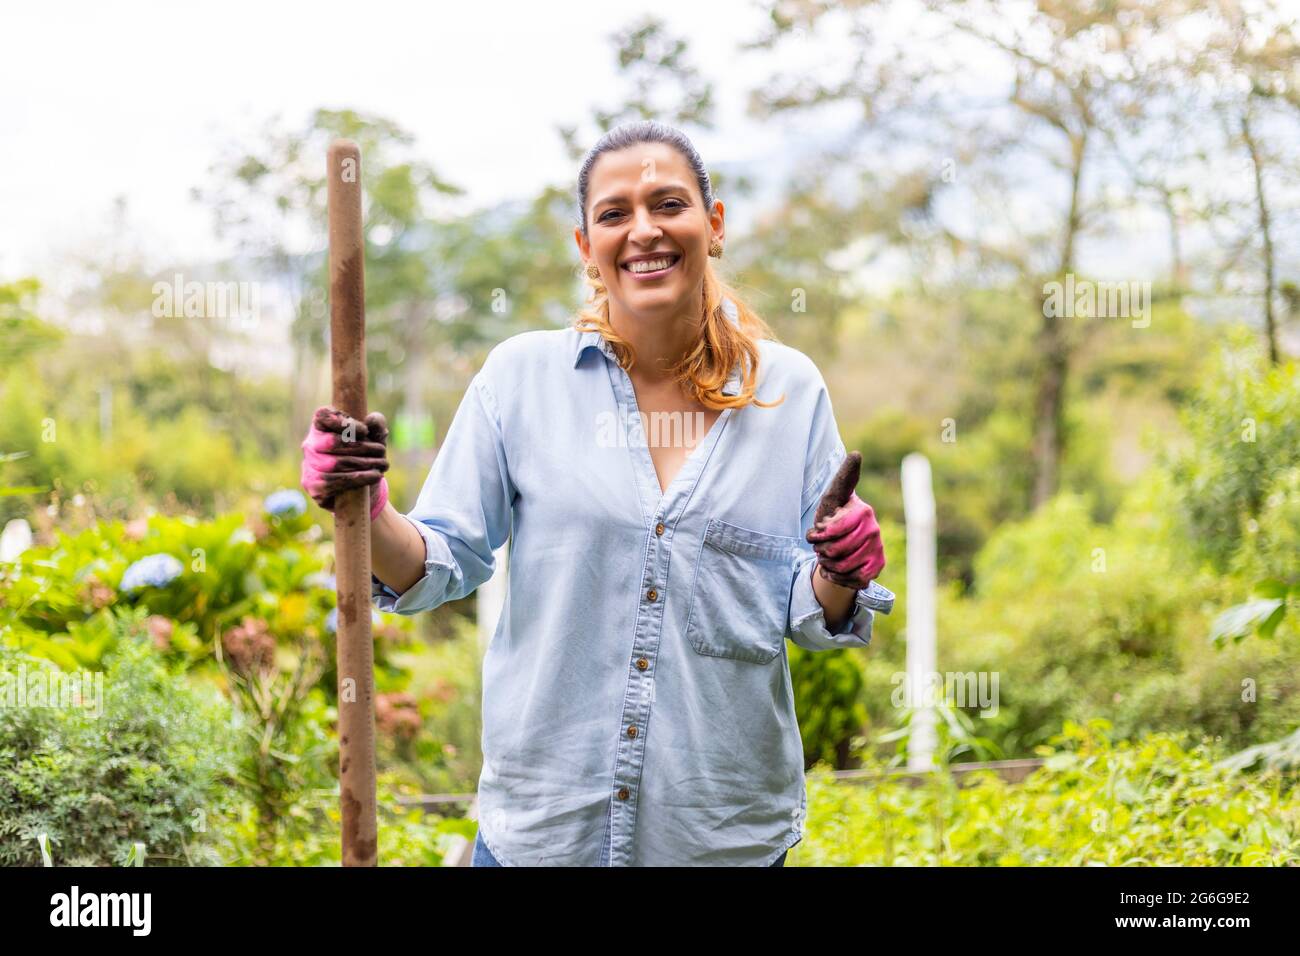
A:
x: 644, y: 229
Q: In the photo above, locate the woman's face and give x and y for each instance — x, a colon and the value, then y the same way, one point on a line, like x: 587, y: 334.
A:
x: 643, y: 202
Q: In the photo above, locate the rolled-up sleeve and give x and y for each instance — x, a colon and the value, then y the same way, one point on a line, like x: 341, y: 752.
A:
x: 806, y: 625
x: 464, y: 510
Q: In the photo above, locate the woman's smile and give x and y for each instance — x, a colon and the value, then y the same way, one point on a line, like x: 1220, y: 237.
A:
x: 651, y: 268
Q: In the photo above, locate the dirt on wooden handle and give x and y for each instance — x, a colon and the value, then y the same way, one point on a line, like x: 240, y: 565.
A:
x: 355, y: 649
x: 842, y: 487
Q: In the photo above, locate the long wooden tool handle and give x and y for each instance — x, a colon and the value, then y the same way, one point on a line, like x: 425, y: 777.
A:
x: 356, y: 707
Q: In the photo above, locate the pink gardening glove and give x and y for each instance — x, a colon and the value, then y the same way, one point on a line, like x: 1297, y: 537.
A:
x: 845, y: 534
x: 331, y: 464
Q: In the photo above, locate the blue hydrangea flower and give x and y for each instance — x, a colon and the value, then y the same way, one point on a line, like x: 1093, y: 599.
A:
x: 332, y: 619
x: 153, y: 570
x: 286, y: 503
x: 320, y: 579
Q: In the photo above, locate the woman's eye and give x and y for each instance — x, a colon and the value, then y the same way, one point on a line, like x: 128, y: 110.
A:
x: 676, y: 204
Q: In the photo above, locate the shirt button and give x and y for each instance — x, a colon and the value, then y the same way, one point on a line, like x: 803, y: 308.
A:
x: 624, y: 793
x: 652, y: 595
x: 659, y: 528
x: 642, y: 663
x: 631, y: 731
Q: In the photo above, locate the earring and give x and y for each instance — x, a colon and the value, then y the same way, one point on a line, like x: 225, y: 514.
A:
x: 593, y: 271
x: 715, y: 249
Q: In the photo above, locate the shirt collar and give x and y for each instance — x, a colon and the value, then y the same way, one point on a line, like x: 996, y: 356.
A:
x: 593, y: 339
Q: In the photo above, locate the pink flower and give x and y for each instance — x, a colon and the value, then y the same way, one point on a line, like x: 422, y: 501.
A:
x: 160, y: 629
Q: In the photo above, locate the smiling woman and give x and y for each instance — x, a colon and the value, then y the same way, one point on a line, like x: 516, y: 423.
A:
x: 648, y: 223
x: 637, y: 702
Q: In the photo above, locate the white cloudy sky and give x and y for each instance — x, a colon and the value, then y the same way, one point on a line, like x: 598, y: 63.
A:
x: 137, y: 100
x: 101, y: 100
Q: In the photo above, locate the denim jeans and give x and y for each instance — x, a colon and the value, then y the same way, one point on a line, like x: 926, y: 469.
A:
x: 483, y: 856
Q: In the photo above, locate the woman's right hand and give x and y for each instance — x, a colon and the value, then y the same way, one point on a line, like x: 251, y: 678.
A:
x: 336, y: 458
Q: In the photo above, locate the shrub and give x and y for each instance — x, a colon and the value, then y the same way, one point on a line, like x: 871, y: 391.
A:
x: 1082, y: 620
x: 1096, y: 801
x: 153, y: 767
x: 828, y: 702
x: 1244, y: 423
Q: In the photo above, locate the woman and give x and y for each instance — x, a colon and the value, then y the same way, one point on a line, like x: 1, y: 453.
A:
x: 637, y: 706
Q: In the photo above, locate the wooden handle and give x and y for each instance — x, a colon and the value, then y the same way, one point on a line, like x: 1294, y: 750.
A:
x: 841, y: 487
x: 355, y: 650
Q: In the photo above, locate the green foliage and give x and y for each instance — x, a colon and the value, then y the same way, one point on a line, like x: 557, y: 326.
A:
x: 1261, y: 616
x: 955, y: 734
x: 1095, y: 802
x: 982, y: 478
x: 1282, y: 756
x: 21, y: 333
x: 1080, y: 610
x: 171, y: 421
x: 440, y: 680
x: 1244, y: 425
x: 407, y: 835
x: 983, y: 473
x: 170, y: 414
x: 152, y: 767
x: 273, y: 568
x: 248, y: 614
x: 828, y: 702
x: 228, y: 571
x: 287, y: 754
x: 1081, y: 619
x: 1076, y: 618
x: 1270, y: 554
x: 1270, y: 545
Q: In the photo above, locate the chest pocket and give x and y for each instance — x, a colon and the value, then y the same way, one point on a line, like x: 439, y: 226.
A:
x: 740, y: 601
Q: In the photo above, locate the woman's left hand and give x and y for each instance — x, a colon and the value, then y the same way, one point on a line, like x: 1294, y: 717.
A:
x: 846, y: 535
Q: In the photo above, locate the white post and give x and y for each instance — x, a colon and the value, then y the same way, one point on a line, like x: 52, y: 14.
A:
x: 918, y: 511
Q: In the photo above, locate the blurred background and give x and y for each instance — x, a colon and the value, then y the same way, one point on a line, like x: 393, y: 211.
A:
x: 1053, y: 247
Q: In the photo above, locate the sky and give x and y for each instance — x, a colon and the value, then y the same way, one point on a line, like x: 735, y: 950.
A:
x: 138, y: 101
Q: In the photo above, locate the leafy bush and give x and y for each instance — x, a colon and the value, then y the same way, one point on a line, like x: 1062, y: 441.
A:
x: 172, y: 416
x: 439, y: 682
x: 203, y: 576
x: 154, y: 767
x: 247, y: 608
x: 1082, y: 620
x: 1096, y: 801
x: 828, y: 702
x: 1245, y: 428
x: 407, y: 835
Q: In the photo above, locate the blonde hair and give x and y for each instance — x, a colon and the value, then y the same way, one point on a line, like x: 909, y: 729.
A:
x: 722, y: 343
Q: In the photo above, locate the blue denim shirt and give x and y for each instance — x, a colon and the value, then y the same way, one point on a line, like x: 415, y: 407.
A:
x: 637, y: 704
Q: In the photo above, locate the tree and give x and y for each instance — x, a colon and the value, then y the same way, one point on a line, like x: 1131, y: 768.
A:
x: 272, y: 201
x: 664, y: 84
x: 22, y: 334
x: 1254, y: 64
x: 980, y: 108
